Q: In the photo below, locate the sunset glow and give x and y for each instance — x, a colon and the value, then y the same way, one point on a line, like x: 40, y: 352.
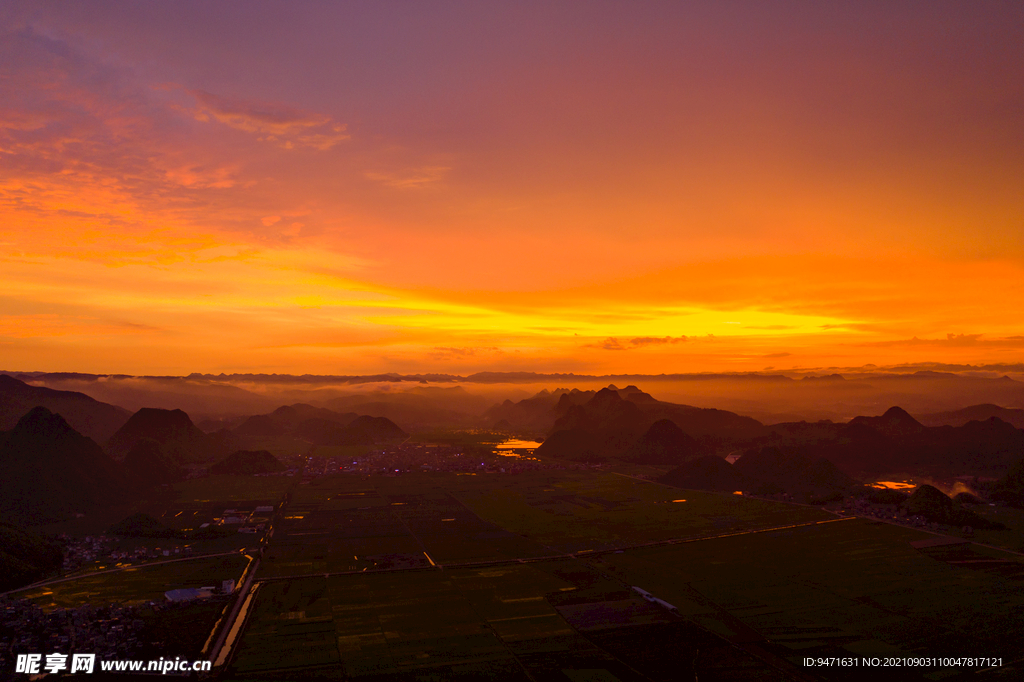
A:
x: 456, y: 187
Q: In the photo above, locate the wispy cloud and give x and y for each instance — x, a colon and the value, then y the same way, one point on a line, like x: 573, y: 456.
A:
x: 281, y: 124
x: 641, y: 341
x: 954, y: 341
x: 410, y: 178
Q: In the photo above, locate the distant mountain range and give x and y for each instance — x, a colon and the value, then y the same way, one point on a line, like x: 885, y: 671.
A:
x: 974, y: 413
x: 895, y: 442
x: 312, y: 426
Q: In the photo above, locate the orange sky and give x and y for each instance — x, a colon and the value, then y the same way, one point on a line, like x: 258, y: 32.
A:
x: 453, y: 187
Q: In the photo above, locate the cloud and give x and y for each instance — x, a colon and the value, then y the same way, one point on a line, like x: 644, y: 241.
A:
x: 953, y: 341
x: 410, y: 178
x: 452, y: 352
x: 610, y: 343
x: 776, y: 355
x: 641, y: 341
x: 286, y: 126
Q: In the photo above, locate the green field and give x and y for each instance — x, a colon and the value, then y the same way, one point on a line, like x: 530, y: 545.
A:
x: 578, y: 510
x: 497, y: 622
x: 137, y: 585
x: 852, y: 587
x: 233, y: 488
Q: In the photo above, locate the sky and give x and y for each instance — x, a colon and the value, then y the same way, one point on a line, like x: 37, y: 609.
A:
x: 345, y: 188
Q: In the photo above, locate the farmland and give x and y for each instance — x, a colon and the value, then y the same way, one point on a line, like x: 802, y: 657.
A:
x: 135, y: 585
x: 444, y: 576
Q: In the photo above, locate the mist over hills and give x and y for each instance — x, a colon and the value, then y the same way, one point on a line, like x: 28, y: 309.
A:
x: 441, y: 400
x: 974, y: 413
x: 310, y: 425
x: 601, y: 424
x: 87, y: 415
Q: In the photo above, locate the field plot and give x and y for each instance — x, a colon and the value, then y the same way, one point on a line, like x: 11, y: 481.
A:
x: 137, y: 585
x: 552, y: 620
x: 570, y: 511
x: 345, y: 524
x: 845, y: 588
x: 234, y: 488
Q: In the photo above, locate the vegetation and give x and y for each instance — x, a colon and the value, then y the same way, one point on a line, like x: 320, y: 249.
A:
x: 25, y: 557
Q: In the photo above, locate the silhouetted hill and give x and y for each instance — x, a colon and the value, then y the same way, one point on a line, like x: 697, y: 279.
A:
x: 664, y: 443
x: 291, y: 420
x: 367, y: 430
x: 769, y: 468
x: 619, y: 418
x: 25, y: 557
x: 706, y: 473
x: 572, y: 444
x: 178, y: 437
x: 89, y: 417
x: 1010, y: 488
x: 422, y: 407
x: 895, y: 422
x: 974, y: 413
x: 298, y: 422
x: 933, y: 504
x: 142, y: 525
x: 247, y: 463
x: 147, y: 464
x: 49, y: 470
x: 536, y: 413
x: 895, y: 443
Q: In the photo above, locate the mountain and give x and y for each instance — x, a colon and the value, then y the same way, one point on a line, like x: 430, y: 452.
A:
x: 575, y: 445
x: 148, y: 464
x: 89, y: 417
x: 895, y: 422
x: 367, y: 430
x: 421, y: 407
x: 535, y: 414
x: 933, y: 504
x: 896, y: 443
x: 289, y: 419
x: 619, y: 418
x: 664, y: 443
x: 50, y: 470
x: 771, y: 469
x: 25, y: 557
x: 974, y: 413
x: 247, y: 463
x: 706, y: 473
x: 1010, y: 488
x: 177, y: 436
x: 300, y: 421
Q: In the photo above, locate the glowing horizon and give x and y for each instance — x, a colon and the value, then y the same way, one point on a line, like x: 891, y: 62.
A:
x: 342, y: 189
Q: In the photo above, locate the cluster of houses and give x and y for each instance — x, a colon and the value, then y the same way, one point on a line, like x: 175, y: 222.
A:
x: 248, y: 521
x: 110, y: 632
